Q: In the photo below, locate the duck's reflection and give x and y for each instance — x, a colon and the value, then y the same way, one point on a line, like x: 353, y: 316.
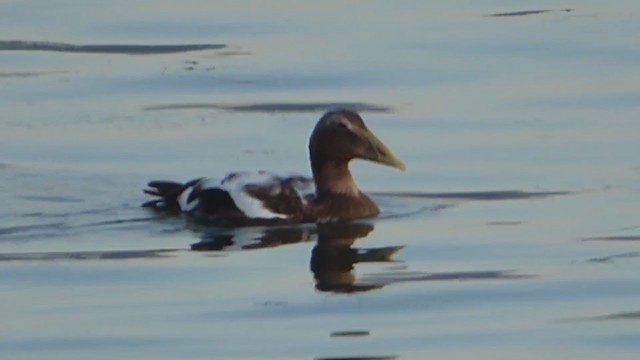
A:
x: 253, y: 238
x: 334, y: 257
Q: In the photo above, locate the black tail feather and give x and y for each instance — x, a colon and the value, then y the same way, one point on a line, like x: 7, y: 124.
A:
x: 166, y: 187
x: 167, y: 191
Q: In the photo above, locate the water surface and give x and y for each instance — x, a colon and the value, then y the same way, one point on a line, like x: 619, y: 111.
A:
x: 513, y: 234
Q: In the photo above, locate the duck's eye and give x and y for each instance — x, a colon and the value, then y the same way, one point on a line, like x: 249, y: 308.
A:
x: 342, y: 125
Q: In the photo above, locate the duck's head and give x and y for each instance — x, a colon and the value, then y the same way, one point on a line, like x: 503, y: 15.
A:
x: 341, y: 135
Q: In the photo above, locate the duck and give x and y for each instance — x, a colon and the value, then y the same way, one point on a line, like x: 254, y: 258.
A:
x: 262, y: 198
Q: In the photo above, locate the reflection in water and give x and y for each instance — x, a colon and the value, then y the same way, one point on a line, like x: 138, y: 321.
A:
x: 252, y: 238
x: 333, y: 258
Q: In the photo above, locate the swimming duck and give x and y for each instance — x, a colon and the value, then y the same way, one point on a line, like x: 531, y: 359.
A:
x: 263, y: 198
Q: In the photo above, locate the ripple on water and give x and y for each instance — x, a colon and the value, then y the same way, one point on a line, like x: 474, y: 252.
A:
x: 128, y: 49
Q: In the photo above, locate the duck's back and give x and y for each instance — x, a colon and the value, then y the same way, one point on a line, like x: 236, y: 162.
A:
x: 240, y: 199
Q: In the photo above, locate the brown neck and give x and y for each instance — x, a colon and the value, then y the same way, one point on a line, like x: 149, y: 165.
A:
x: 333, y: 177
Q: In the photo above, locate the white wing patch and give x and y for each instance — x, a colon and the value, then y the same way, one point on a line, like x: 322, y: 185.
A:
x: 205, y: 183
x: 235, y: 184
x: 304, y: 186
x: 182, y: 200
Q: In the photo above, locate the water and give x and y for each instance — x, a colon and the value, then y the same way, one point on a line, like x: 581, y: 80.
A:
x: 513, y: 234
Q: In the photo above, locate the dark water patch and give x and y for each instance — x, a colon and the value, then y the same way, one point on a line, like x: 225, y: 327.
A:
x: 51, y: 198
x: 234, y: 53
x: 595, y: 99
x: 628, y: 228
x: 396, y: 277
x: 98, y: 211
x: 384, y: 357
x: 193, y: 65
x: 519, y: 13
x: 10, y: 230
x: 275, y: 303
x: 28, y: 74
x: 68, y: 227
x: 276, y: 107
x: 120, y: 221
x: 611, y: 258
x: 40, y: 215
x: 350, y: 333
x: 36, y: 235
x: 632, y: 315
x: 90, y: 255
x: 614, y: 238
x: 525, y: 13
x: 504, y: 223
x: 97, y: 344
x: 132, y: 224
x: 126, y: 49
x: 396, y: 214
x: 476, y: 195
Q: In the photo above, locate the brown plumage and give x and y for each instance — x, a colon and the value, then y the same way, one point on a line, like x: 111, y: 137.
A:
x: 242, y: 199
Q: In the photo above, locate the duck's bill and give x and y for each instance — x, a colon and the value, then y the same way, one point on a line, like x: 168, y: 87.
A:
x: 380, y: 153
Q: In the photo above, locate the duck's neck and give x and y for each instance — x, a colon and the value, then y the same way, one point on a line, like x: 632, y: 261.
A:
x: 332, y: 177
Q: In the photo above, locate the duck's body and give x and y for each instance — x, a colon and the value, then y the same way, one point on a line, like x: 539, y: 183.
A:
x: 262, y: 198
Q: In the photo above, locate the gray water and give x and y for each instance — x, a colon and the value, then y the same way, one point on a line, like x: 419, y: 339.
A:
x: 513, y: 234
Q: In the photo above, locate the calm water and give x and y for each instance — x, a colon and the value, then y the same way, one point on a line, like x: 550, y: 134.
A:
x: 514, y: 233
